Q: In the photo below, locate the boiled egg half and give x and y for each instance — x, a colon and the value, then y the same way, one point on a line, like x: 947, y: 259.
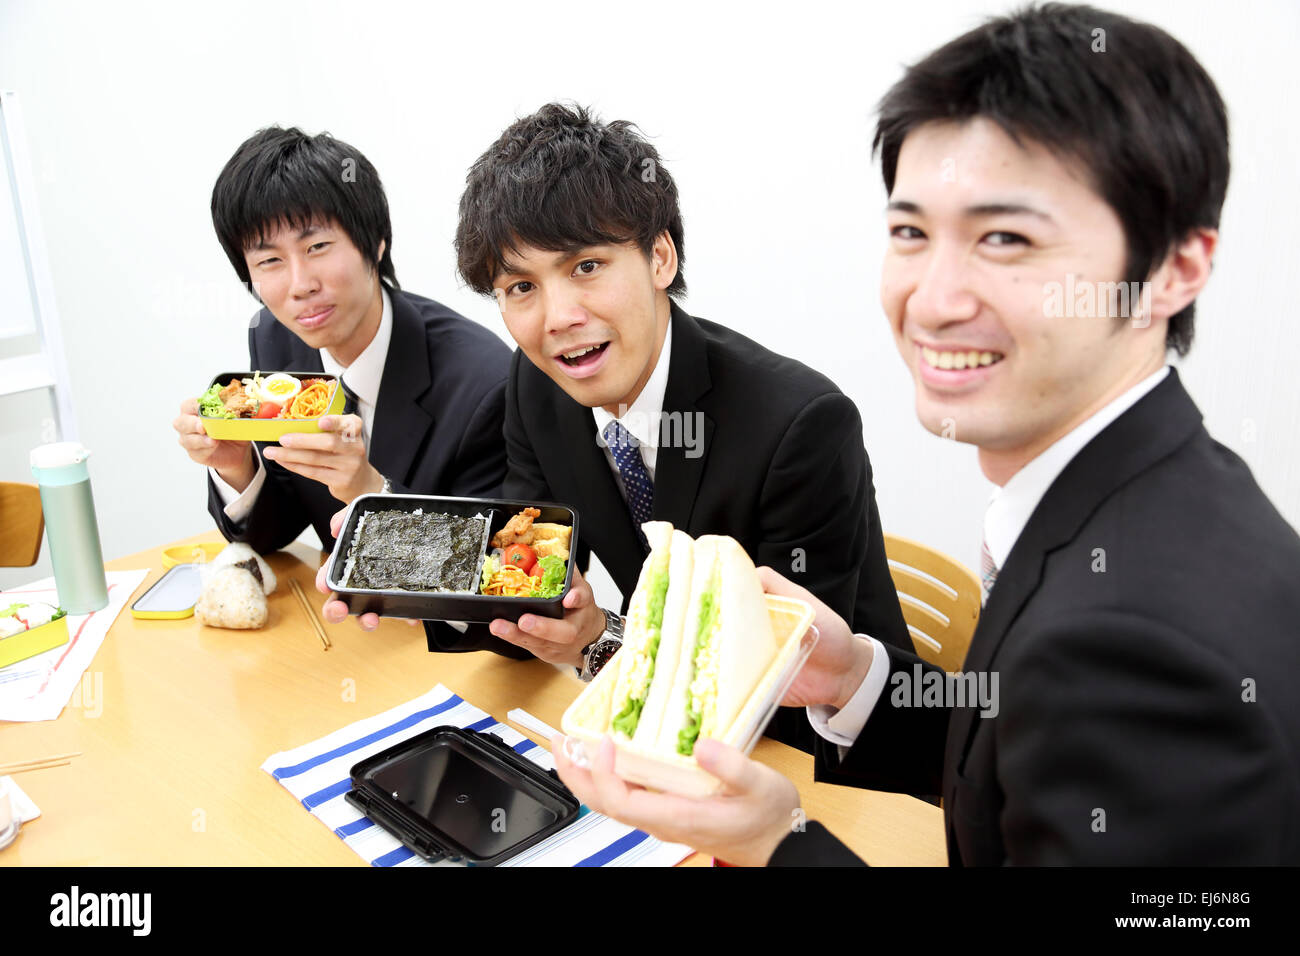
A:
x: 277, y: 388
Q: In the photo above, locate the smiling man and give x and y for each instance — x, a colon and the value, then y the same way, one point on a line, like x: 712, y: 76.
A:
x: 1142, y: 601
x: 623, y: 405
x: 304, y: 221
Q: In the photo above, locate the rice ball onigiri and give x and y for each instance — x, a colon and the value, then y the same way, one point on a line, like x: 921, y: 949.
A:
x: 232, y: 597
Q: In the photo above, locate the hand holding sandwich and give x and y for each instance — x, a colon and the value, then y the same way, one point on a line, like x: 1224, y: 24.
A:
x: 839, y: 662
x: 698, y: 641
x: 743, y: 824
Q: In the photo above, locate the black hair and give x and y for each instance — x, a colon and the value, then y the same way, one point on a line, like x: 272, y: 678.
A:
x: 560, y: 180
x: 1123, y: 98
x: 283, y: 177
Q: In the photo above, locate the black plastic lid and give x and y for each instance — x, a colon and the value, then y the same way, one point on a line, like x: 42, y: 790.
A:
x: 461, y: 795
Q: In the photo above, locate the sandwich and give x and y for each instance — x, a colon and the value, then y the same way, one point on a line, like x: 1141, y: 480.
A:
x: 652, y: 635
x: 727, y: 647
x: 698, y: 640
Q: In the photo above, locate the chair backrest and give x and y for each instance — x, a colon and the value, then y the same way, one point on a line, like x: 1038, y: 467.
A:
x: 940, y: 597
x: 21, y: 525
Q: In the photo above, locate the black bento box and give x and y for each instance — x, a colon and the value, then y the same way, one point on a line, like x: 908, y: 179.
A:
x: 447, y: 605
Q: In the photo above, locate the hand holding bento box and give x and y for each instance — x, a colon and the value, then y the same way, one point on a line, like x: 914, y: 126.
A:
x: 336, y: 457
x: 557, y: 641
x: 232, y: 460
x: 300, y: 410
x: 525, y: 559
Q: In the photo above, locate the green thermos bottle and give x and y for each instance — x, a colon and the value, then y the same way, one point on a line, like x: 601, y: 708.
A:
x: 70, y: 527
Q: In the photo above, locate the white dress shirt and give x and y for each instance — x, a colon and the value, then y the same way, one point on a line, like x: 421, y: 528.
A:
x: 643, y: 418
x: 363, y: 377
x: 1007, y: 514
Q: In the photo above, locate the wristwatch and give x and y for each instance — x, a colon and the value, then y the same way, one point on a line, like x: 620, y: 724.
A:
x: 388, y: 487
x: 597, y: 654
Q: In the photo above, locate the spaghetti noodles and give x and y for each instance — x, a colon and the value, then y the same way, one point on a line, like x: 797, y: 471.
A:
x: 511, y: 582
x: 312, y: 402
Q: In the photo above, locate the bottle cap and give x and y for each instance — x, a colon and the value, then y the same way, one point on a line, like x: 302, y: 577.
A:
x: 59, y: 454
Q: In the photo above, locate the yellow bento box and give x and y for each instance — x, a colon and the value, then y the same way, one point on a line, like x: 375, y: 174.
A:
x: 269, y: 429
x: 38, y: 640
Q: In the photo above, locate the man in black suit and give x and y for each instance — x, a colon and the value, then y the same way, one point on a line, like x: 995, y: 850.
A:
x: 305, y: 221
x: 623, y: 405
x: 1125, y: 697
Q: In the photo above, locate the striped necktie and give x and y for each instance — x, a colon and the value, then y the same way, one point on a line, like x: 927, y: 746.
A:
x: 639, y: 489
x: 988, y: 572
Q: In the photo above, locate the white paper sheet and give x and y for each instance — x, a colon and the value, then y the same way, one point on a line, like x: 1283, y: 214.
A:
x: 39, y: 687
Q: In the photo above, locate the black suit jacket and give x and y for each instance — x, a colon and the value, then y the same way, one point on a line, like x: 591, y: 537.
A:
x: 772, y: 456
x: 437, y: 427
x: 1145, y: 631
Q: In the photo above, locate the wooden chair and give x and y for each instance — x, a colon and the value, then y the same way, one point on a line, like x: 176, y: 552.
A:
x: 940, y: 598
x: 21, y: 525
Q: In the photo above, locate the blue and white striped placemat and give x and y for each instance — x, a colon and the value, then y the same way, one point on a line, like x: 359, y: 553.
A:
x: 318, y: 774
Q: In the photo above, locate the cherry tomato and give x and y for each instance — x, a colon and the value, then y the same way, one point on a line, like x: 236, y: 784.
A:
x: 268, y: 410
x: 521, y: 556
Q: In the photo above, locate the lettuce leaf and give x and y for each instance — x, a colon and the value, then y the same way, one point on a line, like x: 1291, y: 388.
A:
x: 553, y: 573
x: 211, y: 405
x: 687, y: 736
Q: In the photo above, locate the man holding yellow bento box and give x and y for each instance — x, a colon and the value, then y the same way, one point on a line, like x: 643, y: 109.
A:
x: 305, y: 223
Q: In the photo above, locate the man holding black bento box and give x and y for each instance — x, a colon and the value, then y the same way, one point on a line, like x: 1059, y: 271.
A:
x: 305, y: 223
x: 628, y: 408
x: 622, y: 405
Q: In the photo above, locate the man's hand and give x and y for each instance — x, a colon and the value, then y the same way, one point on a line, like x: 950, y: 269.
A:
x: 558, y: 640
x: 334, y: 610
x: 743, y: 824
x: 232, y: 460
x: 839, y: 662
x: 336, y: 457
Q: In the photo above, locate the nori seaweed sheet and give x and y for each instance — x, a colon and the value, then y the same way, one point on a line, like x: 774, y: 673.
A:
x: 399, y: 550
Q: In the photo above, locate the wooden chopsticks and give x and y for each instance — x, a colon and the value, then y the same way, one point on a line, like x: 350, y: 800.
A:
x: 311, y: 615
x: 44, y: 763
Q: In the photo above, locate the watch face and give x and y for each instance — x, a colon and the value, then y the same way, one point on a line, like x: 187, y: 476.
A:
x: 600, y: 655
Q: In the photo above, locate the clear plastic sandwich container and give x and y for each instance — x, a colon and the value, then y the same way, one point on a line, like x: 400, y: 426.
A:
x: 270, y: 429
x: 587, y: 719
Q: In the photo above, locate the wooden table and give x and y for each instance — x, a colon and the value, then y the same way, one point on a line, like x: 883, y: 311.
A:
x: 171, y: 751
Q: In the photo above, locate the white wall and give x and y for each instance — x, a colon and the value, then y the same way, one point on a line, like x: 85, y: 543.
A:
x: 763, y: 113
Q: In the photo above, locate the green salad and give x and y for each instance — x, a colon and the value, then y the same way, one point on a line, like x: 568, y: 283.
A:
x: 211, y: 405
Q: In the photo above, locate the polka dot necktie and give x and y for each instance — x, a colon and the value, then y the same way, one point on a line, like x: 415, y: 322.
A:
x: 639, y: 488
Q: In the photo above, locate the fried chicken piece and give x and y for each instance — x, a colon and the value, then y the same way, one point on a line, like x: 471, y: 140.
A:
x: 518, y: 530
x: 237, y: 400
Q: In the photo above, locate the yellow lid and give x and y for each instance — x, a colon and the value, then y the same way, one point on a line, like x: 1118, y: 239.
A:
x: 191, y: 553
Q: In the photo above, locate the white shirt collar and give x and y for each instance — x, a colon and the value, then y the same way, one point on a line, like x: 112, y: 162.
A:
x: 1011, y: 505
x: 643, y: 418
x: 367, y: 370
